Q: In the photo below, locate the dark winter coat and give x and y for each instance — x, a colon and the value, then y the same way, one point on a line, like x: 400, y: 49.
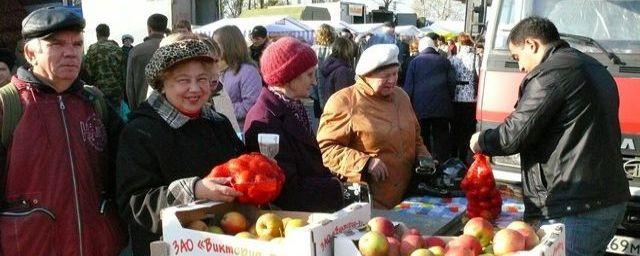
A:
x: 430, y: 84
x: 158, y: 166
x: 566, y: 129
x: 338, y: 74
x: 309, y: 186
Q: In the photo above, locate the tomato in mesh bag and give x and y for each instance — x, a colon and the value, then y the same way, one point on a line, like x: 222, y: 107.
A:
x: 479, y: 185
x: 259, y: 178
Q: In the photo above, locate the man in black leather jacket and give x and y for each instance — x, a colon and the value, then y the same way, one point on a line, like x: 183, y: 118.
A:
x: 566, y: 129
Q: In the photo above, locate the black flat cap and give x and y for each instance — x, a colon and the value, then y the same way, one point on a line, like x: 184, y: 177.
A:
x: 44, y: 21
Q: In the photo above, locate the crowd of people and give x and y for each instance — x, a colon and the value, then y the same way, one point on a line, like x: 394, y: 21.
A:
x: 170, y: 108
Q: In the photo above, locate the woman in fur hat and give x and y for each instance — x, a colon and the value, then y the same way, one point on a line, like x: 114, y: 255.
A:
x: 173, y: 140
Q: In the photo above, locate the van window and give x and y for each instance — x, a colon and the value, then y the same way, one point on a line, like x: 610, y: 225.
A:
x: 613, y: 23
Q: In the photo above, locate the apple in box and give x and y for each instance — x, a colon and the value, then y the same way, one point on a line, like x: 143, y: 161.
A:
x: 531, y: 239
x: 198, y: 225
x: 430, y: 241
x: 437, y: 250
x: 382, y: 226
x: 373, y: 244
x: 293, y: 224
x: 269, y: 226
x: 421, y: 252
x: 458, y: 251
x: 506, y: 241
x: 394, y: 246
x: 215, y: 229
x: 409, y: 244
x: 233, y: 223
x: 481, y: 229
x: 467, y: 242
x: 245, y: 234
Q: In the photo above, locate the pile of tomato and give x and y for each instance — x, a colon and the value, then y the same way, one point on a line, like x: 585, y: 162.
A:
x: 479, y: 185
x: 259, y: 178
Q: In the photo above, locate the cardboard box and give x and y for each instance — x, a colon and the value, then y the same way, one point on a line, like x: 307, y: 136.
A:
x: 315, y: 239
x: 552, y: 242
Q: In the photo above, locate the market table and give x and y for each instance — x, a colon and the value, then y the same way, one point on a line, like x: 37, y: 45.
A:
x: 430, y: 215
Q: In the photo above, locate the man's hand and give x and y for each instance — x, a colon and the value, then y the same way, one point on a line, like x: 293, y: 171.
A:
x: 215, y: 189
x: 378, y: 169
x: 473, y: 143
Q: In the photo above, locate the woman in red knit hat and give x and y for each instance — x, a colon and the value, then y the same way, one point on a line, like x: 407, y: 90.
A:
x: 288, y: 67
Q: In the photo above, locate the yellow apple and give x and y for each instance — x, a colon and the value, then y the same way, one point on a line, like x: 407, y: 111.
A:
x: 293, y: 224
x: 269, y: 226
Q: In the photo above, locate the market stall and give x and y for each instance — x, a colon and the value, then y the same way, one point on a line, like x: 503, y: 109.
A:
x: 448, y: 29
x: 277, y: 26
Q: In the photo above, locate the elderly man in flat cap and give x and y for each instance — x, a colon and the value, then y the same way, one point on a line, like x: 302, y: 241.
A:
x: 58, y: 171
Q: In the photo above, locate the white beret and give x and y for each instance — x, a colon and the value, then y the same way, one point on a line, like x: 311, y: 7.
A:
x: 377, y: 56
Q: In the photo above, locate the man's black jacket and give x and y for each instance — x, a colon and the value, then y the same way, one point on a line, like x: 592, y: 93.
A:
x: 566, y: 129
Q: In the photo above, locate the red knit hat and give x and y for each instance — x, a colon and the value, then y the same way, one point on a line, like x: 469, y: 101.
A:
x: 285, y: 59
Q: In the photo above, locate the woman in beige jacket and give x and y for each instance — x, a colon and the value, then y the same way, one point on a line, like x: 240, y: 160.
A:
x: 369, y: 132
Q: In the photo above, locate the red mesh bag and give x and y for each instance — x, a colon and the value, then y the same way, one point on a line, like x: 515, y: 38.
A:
x: 259, y: 178
x: 479, y: 185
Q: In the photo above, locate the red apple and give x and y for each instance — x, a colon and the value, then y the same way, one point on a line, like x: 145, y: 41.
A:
x: 412, y: 231
x: 422, y: 252
x: 394, y: 246
x: 458, y: 251
x: 433, y: 241
x: 531, y: 239
x: 481, y: 229
x: 410, y: 243
x: 233, y: 223
x: 506, y: 241
x: 269, y: 226
x: 373, y: 244
x: 468, y: 242
x: 437, y: 250
x: 381, y: 225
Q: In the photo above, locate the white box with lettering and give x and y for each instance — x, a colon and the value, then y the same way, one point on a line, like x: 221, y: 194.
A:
x: 314, y: 239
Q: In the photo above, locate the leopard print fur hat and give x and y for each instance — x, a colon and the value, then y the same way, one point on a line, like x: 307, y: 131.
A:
x: 172, y: 53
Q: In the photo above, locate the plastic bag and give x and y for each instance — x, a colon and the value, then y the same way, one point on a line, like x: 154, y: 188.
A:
x: 444, y: 181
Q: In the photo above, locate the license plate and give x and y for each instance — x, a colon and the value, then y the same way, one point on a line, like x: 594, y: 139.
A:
x: 624, y: 245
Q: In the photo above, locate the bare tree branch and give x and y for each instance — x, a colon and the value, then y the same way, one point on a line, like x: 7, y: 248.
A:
x: 233, y: 8
x: 439, y: 9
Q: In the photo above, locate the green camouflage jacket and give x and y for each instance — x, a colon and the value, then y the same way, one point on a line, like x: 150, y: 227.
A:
x: 105, y: 65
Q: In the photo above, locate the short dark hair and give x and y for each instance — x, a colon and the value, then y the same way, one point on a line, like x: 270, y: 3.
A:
x: 390, y: 24
x: 259, y: 31
x: 157, y: 22
x: 102, y: 30
x: 534, y: 27
x: 433, y: 35
x: 346, y: 33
